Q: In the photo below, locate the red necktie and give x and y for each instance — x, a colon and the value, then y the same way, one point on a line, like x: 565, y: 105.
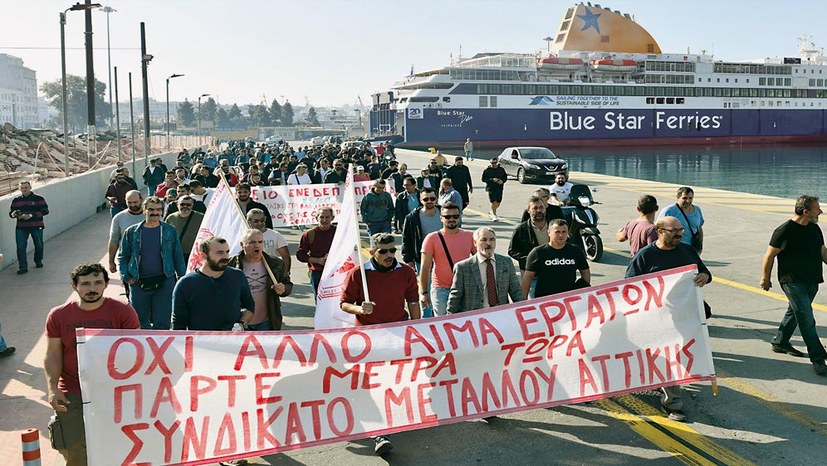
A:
x: 490, y: 283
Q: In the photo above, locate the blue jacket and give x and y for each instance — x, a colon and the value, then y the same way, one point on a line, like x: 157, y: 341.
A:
x: 172, y: 255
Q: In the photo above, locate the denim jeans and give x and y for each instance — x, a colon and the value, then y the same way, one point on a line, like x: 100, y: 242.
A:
x: 154, y: 308
x: 22, y: 237
x: 315, y: 278
x: 429, y: 310
x: 114, y: 210
x: 150, y: 189
x: 800, y: 313
x: 260, y: 327
x: 3, y: 344
x: 439, y: 300
x: 379, y: 227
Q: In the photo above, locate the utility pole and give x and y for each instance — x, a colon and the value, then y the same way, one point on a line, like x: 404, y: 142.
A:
x: 90, y: 84
x: 132, y: 122
x: 118, y: 121
x: 145, y: 59
x: 108, y: 9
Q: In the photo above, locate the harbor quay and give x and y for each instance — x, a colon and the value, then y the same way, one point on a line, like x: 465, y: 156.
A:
x: 770, y: 408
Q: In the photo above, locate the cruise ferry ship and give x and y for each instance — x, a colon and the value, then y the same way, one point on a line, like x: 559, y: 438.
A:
x: 605, y: 81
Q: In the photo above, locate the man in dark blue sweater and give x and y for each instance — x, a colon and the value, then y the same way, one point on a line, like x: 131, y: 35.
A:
x: 668, y: 253
x: 214, y: 297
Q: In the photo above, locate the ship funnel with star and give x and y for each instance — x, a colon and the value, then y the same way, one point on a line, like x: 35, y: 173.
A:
x: 587, y: 28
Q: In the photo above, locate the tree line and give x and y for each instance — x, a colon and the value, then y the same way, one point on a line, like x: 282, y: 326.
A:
x: 257, y: 115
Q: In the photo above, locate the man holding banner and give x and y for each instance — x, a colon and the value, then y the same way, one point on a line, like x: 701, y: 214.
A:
x: 390, y: 285
x: 668, y: 253
x: 91, y: 310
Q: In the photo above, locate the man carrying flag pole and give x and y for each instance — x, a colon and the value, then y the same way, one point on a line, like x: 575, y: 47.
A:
x: 344, y: 255
x: 390, y: 283
x: 224, y: 219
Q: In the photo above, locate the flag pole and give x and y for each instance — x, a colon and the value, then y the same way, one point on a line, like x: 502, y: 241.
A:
x: 358, y: 235
x: 244, y: 220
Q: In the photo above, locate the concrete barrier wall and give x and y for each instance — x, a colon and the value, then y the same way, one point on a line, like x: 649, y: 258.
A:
x: 71, y: 201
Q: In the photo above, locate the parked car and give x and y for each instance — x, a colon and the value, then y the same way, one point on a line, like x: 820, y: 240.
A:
x: 529, y: 164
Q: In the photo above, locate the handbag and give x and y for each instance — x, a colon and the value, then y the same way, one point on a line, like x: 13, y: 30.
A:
x: 696, y: 242
x: 152, y: 283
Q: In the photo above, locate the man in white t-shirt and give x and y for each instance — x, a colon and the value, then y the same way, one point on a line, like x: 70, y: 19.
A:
x: 274, y: 243
x: 560, y: 190
x: 300, y: 177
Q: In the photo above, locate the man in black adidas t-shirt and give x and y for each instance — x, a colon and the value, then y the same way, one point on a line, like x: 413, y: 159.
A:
x: 555, y: 264
x: 799, y: 245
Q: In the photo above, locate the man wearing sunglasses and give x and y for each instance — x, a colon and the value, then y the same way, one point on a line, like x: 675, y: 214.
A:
x: 418, y: 224
x: 668, y: 253
x: 443, y: 249
x: 391, y: 285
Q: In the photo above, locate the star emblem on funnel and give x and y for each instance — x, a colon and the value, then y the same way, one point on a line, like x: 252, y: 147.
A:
x: 590, y: 20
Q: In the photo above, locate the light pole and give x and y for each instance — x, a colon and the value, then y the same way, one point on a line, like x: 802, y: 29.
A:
x: 75, y: 7
x: 199, y: 116
x: 172, y: 76
x: 108, y: 9
x: 118, y: 121
x: 132, y: 124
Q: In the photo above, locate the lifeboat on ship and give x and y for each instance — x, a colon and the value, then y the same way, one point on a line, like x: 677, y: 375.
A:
x: 558, y: 63
x: 608, y: 65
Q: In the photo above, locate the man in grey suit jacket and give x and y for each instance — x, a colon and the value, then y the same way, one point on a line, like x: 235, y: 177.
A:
x: 469, y: 291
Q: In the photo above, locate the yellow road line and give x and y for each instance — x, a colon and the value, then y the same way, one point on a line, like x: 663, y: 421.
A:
x: 670, y: 436
x: 754, y: 289
x: 682, y: 431
x: 771, y: 402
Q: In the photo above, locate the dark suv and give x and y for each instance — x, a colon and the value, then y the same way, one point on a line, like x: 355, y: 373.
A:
x: 529, y: 164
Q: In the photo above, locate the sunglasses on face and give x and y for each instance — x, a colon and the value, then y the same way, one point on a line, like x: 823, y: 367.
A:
x: 428, y: 199
x: 385, y: 251
x: 451, y: 217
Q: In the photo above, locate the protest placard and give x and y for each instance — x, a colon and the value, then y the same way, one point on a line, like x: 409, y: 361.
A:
x: 200, y: 397
x: 297, y: 204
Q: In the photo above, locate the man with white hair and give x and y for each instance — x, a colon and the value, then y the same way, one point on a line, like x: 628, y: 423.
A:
x: 485, y: 279
x: 254, y: 262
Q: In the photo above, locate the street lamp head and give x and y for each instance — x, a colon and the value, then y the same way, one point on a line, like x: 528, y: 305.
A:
x: 83, y: 6
x: 147, y: 57
x: 204, y: 95
x: 175, y: 76
x: 108, y: 9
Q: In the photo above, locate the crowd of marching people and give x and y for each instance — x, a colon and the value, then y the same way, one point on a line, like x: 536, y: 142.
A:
x: 441, y: 267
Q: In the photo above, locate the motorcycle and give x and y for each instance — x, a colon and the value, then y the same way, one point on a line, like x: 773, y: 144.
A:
x: 582, y: 221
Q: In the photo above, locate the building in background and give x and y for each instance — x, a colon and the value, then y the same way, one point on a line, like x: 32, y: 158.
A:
x: 18, y: 93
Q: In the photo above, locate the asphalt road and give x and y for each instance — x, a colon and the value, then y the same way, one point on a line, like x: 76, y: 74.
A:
x: 770, y: 408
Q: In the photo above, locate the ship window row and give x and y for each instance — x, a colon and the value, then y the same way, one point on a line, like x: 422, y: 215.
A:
x: 680, y: 67
x: 818, y: 82
x: 751, y: 68
x: 555, y: 89
x: 812, y: 71
x: 484, y: 75
x: 776, y: 81
x: 669, y: 79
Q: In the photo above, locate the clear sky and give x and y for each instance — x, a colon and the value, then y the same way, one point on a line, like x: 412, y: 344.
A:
x: 335, y: 50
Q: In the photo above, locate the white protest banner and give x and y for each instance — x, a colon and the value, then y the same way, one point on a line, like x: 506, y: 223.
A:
x: 297, y: 204
x: 340, y: 260
x: 221, y: 219
x: 164, y: 397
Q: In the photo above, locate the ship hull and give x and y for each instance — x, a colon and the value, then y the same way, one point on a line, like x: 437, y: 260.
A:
x: 612, y: 127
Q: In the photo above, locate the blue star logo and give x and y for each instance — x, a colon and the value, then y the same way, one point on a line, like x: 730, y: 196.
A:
x: 589, y: 20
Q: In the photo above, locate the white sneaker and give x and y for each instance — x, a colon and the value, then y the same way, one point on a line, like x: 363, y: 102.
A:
x: 494, y: 218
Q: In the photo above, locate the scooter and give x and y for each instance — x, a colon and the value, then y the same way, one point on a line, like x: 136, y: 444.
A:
x: 582, y: 220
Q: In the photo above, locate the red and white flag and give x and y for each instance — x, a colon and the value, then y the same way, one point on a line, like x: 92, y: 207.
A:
x: 341, y: 259
x: 222, y: 219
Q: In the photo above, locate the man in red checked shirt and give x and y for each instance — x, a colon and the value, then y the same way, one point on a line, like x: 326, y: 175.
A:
x: 390, y: 285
